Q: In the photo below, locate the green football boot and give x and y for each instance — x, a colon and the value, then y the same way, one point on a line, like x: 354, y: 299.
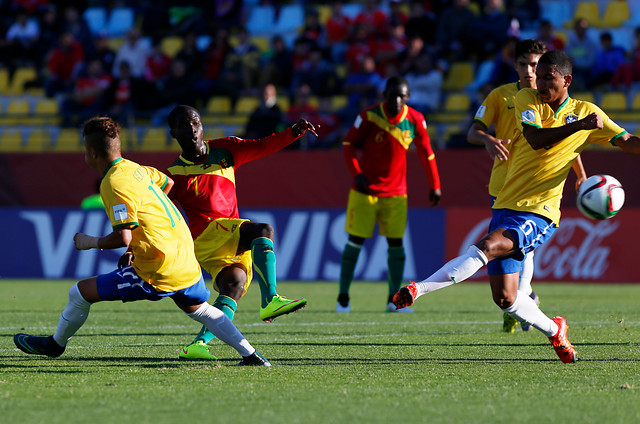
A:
x: 196, y: 350
x: 509, y: 323
x: 280, y: 306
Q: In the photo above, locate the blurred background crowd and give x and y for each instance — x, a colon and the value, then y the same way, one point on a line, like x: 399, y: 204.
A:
x: 253, y: 67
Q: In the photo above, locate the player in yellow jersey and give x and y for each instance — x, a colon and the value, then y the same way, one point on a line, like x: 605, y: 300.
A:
x: 143, y: 218
x: 497, y: 110
x: 554, y: 129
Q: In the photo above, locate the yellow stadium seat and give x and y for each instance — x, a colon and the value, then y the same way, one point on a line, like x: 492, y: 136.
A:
x: 586, y: 96
x: 635, y: 103
x: 39, y: 140
x: 154, y: 139
x: 457, y: 103
x: 129, y: 139
x: 324, y: 13
x: 459, y: 76
x: 219, y: 105
x: 45, y: 111
x: 11, y: 140
x: 339, y: 102
x: 614, y: 101
x: 17, y: 111
x: 20, y: 77
x: 283, y: 102
x: 4, y: 81
x: 213, y: 132
x: 589, y: 10
x: 615, y: 14
x: 247, y: 104
x: 68, y: 140
x: 115, y: 43
x: 171, y: 45
x: 261, y: 42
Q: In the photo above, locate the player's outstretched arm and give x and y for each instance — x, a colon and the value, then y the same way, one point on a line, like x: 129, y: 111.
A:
x: 302, y: 126
x: 581, y: 174
x: 629, y: 143
x: 539, y: 138
x: 117, y: 239
x: 495, y: 146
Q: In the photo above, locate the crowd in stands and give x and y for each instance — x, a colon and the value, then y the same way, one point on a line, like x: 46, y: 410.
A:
x: 332, y: 53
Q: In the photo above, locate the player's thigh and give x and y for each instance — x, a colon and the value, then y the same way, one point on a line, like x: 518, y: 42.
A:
x: 392, y: 216
x: 361, y: 214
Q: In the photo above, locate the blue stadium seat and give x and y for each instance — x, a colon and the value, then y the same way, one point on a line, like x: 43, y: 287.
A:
x: 96, y: 18
x: 557, y: 12
x: 290, y: 19
x: 261, y: 20
x: 121, y: 19
x: 351, y: 9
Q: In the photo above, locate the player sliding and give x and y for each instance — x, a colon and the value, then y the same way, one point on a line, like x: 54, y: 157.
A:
x: 165, y: 265
x: 554, y: 129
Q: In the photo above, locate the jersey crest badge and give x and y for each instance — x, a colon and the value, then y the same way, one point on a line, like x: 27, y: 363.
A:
x: 570, y: 118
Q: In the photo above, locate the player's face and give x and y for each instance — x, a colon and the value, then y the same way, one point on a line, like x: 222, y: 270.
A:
x: 396, y: 98
x: 526, y: 68
x: 552, y: 85
x: 188, y: 130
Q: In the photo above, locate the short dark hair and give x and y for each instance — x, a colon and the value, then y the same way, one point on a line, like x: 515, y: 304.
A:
x: 395, y: 81
x: 179, y: 111
x: 559, y: 59
x: 103, y: 134
x: 530, y: 46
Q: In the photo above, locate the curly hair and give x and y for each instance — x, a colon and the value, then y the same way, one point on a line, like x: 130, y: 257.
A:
x: 103, y: 134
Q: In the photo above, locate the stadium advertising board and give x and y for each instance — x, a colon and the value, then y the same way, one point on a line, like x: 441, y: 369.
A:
x: 308, y: 244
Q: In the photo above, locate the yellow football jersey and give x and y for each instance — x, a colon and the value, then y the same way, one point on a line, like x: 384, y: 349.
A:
x: 498, y: 109
x: 535, y: 178
x: 161, y: 242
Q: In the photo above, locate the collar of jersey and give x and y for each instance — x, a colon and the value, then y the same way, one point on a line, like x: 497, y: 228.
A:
x: 397, y: 118
x: 110, y: 166
x: 555, y: 115
x: 202, y: 161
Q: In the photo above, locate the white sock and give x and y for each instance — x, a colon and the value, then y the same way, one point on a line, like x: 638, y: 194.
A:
x: 73, y: 316
x: 526, y: 275
x: 222, y: 327
x: 525, y: 309
x: 454, y: 271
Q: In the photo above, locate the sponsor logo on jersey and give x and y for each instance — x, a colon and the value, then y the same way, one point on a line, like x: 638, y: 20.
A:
x: 481, y: 110
x: 120, y: 212
x: 528, y: 116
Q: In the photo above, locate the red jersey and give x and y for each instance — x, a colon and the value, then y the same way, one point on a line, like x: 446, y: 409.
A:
x: 385, y: 140
x: 206, y: 190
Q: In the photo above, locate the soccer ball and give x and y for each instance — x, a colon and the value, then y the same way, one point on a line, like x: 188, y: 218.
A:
x: 600, y: 197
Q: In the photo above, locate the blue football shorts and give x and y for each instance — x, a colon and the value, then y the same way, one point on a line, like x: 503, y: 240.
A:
x: 530, y: 229
x: 125, y: 285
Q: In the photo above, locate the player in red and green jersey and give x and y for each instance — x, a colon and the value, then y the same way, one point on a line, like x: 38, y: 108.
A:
x: 554, y: 129
x: 384, y: 132
x: 497, y: 110
x: 144, y: 219
x: 225, y: 245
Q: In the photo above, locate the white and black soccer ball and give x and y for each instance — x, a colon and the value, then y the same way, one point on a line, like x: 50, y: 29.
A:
x: 600, y: 197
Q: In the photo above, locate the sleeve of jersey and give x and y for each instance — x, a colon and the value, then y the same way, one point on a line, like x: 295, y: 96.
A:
x: 486, y: 112
x: 425, y: 152
x: 246, y: 150
x: 527, y: 109
x: 156, y: 176
x: 354, y: 136
x: 609, y: 132
x: 120, y: 208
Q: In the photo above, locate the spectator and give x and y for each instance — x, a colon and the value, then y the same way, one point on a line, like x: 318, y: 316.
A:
x: 629, y: 72
x: 328, y: 126
x: 190, y: 55
x: 158, y: 64
x: 359, y: 47
x: 421, y: 24
x: 503, y: 71
x: 65, y: 63
x: 338, y: 29
x: 312, y: 28
x: 385, y: 49
x: 177, y: 90
x: 277, y: 67
x: 75, y: 23
x: 128, y: 97
x: 50, y: 29
x: 245, y: 62
x: 408, y: 57
x: 492, y: 28
x: 87, y: 98
x: 362, y: 88
x: 455, y: 35
x: 527, y: 12
x: 607, y: 60
x: 302, y: 108
x: 267, y: 118
x: 23, y: 36
x: 426, y: 85
x: 582, y: 49
x: 372, y: 19
x: 317, y: 73
x: 397, y: 15
x: 135, y: 51
x: 547, y: 36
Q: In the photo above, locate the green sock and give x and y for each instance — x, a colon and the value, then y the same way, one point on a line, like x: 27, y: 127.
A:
x: 348, y: 266
x: 264, y: 265
x: 395, y: 260
x: 228, y: 307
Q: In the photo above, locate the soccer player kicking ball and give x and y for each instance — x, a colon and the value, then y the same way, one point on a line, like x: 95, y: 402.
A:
x: 146, y: 220
x: 497, y: 110
x: 554, y: 129
x: 225, y: 245
x: 379, y: 192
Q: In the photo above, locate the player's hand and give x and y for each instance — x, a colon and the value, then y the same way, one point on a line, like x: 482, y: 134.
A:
x: 85, y: 242
x: 434, y: 196
x: 497, y: 148
x: 362, y: 185
x: 302, y: 126
x: 592, y: 121
x: 125, y: 260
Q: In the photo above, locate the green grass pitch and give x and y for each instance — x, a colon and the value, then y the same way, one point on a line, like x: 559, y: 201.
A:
x: 448, y: 362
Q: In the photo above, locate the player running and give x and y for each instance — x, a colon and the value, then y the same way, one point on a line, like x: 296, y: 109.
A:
x: 144, y: 219
x: 554, y: 129
x: 498, y: 110
x: 379, y: 191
